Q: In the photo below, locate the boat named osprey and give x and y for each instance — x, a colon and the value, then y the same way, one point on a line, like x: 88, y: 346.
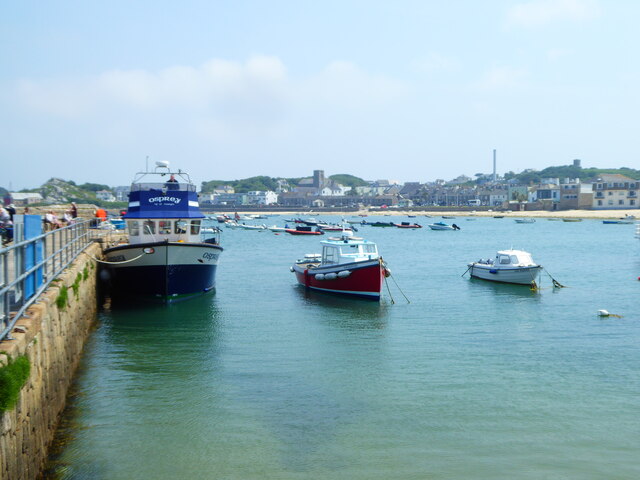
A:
x: 168, y: 257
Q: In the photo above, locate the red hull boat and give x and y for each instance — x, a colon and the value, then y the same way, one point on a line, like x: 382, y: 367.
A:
x: 348, y: 266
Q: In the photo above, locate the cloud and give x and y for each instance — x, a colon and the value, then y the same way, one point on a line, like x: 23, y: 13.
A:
x: 555, y: 54
x: 539, y: 13
x: 220, y: 89
x: 502, y: 78
x: 213, y: 84
x: 435, y: 62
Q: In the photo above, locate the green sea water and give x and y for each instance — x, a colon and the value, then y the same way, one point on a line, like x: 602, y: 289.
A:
x: 470, y: 380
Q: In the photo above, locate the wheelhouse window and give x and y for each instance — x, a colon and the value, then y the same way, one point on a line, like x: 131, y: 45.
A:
x: 369, y: 249
x: 504, y: 260
x: 329, y: 255
x: 149, y: 227
x: 134, y: 227
x: 164, y: 227
x: 195, y: 227
x: 180, y: 227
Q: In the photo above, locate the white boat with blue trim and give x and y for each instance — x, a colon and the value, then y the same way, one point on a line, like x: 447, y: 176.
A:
x: 168, y: 257
x: 509, y: 266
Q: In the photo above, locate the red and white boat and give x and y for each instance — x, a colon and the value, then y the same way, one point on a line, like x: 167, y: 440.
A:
x: 306, y: 230
x: 348, y: 265
x: 408, y: 225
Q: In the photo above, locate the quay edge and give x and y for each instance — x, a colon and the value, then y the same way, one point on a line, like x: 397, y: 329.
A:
x: 53, y: 339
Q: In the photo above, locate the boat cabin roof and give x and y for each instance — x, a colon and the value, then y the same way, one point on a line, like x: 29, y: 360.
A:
x: 163, y: 193
x: 514, y: 257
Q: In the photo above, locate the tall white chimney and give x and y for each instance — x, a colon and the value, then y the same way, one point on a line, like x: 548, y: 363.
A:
x: 494, y: 166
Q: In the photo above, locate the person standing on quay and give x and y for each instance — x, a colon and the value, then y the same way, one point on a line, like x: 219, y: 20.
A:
x: 73, y: 210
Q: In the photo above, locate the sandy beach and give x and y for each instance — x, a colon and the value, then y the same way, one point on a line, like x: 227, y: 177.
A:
x: 585, y: 214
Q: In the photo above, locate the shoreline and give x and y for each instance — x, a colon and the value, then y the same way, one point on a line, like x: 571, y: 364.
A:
x: 583, y: 214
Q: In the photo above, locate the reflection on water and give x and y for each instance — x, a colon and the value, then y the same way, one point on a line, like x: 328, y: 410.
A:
x: 346, y: 312
x: 486, y: 287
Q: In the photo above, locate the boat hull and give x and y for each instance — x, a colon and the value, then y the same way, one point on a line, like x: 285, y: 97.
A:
x: 364, y: 280
x: 168, y: 272
x: 292, y: 231
x: 515, y: 275
x: 441, y: 227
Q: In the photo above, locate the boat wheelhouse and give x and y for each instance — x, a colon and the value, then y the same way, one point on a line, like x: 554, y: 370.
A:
x: 168, y: 256
x: 348, y: 265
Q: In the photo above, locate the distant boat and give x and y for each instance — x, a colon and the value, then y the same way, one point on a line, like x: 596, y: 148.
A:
x: 525, y: 220
x: 304, y: 230
x: 618, y: 222
x: 443, y: 226
x: 408, y: 225
x: 447, y: 216
x: 571, y: 219
x: 379, y: 224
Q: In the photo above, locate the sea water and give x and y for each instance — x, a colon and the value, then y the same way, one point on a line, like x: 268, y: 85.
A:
x: 465, y: 379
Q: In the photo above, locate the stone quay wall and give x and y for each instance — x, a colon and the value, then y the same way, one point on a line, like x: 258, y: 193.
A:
x: 53, y: 339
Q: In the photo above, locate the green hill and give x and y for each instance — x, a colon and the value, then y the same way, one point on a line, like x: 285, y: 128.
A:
x: 570, y: 171
x: 349, y: 180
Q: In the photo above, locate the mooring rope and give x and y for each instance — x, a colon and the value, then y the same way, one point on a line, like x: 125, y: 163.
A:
x: 113, y: 263
x: 556, y: 283
x: 394, y: 281
x: 389, y: 290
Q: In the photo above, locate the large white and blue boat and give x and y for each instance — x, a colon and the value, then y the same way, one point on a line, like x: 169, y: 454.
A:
x: 167, y: 257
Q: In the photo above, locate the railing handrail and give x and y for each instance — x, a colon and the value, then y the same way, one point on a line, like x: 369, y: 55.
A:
x: 58, y: 248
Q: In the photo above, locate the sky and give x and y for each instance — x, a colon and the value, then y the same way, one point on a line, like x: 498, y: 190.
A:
x: 405, y: 90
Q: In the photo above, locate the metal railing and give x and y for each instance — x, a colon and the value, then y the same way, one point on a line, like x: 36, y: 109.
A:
x: 27, y: 268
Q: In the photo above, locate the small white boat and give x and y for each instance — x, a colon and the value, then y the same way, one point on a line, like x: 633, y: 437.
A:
x: 525, y: 220
x: 443, y: 226
x: 275, y: 228
x: 509, y: 266
x: 252, y: 227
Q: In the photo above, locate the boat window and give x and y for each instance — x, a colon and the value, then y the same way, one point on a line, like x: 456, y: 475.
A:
x: 149, y: 227
x: 195, y: 227
x: 181, y: 226
x: 514, y: 259
x: 368, y: 248
x: 134, y: 228
x: 164, y: 227
x: 329, y: 255
x: 505, y: 260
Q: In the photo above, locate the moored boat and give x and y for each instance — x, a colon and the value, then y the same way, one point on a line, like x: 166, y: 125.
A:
x: 166, y: 258
x: 443, y: 226
x: 509, y: 266
x: 525, y: 220
x: 408, y: 225
x: 304, y: 230
x: 348, y: 265
x: 618, y: 222
x: 379, y: 224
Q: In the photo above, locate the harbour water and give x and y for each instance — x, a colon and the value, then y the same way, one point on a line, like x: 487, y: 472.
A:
x: 262, y: 380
